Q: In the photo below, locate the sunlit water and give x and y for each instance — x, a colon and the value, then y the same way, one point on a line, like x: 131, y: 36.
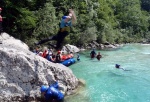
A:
x: 105, y: 83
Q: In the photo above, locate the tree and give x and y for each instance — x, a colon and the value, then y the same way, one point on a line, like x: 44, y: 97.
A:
x: 48, y: 22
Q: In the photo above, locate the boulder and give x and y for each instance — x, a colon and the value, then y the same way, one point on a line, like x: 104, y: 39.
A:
x: 70, y: 48
x: 110, y: 46
x: 22, y: 72
x: 11, y: 41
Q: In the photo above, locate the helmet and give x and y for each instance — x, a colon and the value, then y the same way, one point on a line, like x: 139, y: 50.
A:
x: 64, y: 17
x: 0, y: 9
x: 59, y: 52
x: 117, y: 65
x: 43, y: 88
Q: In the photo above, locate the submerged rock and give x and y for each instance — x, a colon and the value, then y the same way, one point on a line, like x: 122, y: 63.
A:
x: 22, y: 72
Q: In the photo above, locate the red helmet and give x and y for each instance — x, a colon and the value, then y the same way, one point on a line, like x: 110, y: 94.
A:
x: 59, y: 52
x: 0, y: 9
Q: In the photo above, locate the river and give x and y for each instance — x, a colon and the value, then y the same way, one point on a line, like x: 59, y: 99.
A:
x: 105, y: 83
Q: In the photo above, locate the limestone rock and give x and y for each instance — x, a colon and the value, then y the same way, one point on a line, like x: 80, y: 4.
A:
x: 11, y: 41
x: 22, y: 72
x: 70, y: 48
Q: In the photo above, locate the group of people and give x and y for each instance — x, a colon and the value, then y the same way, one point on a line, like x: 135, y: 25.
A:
x: 50, y: 56
x: 93, y: 55
x: 65, y: 25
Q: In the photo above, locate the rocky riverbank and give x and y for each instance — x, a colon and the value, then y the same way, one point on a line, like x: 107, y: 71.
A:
x: 105, y: 45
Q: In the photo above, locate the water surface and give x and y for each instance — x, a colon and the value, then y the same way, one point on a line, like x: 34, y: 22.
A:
x: 105, y: 83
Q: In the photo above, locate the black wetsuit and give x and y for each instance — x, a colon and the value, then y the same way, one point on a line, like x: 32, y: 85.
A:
x: 60, y: 36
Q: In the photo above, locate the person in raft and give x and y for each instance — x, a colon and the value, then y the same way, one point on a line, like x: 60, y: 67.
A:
x: 99, y: 56
x: 58, y: 57
x: 65, y: 25
x: 92, y: 54
x: 52, y: 93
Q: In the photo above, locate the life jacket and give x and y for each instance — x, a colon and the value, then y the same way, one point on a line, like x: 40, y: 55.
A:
x: 64, y: 57
x: 98, y: 57
x: 65, y: 26
x: 45, y: 53
x: 70, y: 55
x: 93, y: 53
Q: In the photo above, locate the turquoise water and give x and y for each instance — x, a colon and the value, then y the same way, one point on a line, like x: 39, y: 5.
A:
x: 105, y: 83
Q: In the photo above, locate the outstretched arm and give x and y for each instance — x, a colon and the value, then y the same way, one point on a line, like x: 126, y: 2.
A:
x: 73, y: 16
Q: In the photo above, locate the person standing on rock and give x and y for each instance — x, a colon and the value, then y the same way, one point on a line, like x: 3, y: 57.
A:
x: 1, y: 20
x: 65, y: 24
x: 52, y: 93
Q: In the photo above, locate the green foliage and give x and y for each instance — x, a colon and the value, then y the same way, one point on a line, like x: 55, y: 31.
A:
x: 114, y: 21
x: 48, y: 23
x: 27, y: 20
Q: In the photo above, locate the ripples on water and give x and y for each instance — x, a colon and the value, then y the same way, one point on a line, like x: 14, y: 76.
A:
x: 104, y: 83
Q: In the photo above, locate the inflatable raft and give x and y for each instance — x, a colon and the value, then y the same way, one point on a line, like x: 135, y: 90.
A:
x: 68, y: 62
x: 67, y: 59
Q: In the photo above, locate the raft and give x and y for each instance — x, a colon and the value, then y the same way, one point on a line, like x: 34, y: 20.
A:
x: 65, y: 57
x: 68, y: 62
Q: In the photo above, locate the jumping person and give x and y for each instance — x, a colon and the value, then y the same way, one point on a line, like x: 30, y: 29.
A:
x: 65, y: 25
x: 52, y: 93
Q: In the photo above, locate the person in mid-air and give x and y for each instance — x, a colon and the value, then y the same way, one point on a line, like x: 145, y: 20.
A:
x: 65, y: 24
